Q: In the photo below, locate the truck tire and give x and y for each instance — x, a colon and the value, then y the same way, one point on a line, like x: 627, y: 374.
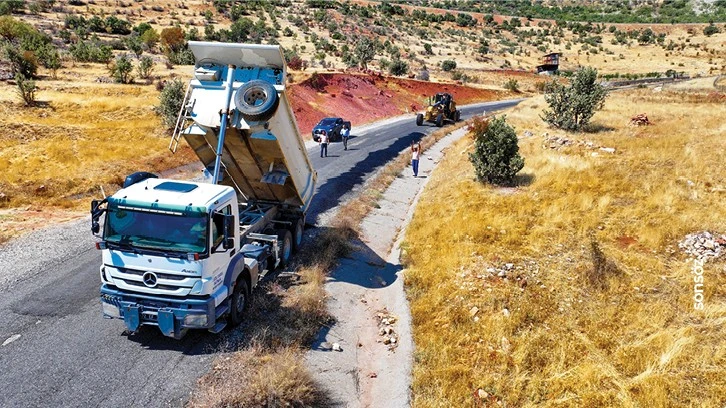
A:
x: 256, y: 100
x: 419, y: 119
x: 440, y: 120
x: 298, y: 227
x: 284, y: 238
x: 457, y: 116
x: 241, y: 298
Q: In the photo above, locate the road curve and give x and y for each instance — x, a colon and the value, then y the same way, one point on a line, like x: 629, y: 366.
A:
x: 57, y: 351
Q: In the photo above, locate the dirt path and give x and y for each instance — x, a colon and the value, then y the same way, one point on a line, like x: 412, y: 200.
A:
x: 367, y: 298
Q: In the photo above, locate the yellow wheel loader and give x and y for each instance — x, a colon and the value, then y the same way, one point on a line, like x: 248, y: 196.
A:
x: 441, y: 108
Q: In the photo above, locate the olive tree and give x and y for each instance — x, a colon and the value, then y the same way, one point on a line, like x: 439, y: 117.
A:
x: 572, y: 107
x: 495, y: 158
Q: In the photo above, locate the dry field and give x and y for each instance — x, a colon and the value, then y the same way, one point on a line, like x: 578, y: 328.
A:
x: 570, y: 289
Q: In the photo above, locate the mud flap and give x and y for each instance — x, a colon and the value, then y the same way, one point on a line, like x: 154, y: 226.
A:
x: 166, y: 322
x: 132, y: 318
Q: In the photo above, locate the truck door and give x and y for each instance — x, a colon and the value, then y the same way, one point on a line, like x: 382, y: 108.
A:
x: 218, y: 255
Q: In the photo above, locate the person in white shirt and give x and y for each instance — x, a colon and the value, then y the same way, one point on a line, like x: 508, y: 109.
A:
x: 345, y: 134
x: 415, y: 153
x: 324, y: 144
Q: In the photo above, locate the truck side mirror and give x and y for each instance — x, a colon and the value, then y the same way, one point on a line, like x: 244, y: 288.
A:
x: 229, y: 226
x: 96, y: 212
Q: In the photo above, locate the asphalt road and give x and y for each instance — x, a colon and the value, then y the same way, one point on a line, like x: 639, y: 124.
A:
x: 57, y: 351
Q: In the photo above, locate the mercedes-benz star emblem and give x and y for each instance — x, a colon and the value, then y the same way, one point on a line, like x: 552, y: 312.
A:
x: 149, y: 279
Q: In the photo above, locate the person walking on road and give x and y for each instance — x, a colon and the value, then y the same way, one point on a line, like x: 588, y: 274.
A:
x: 345, y: 134
x: 415, y: 153
x: 324, y: 145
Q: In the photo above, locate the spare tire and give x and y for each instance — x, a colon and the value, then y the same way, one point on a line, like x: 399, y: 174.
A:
x: 256, y: 100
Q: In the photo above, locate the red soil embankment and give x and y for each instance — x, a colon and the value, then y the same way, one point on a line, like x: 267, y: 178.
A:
x: 365, y: 98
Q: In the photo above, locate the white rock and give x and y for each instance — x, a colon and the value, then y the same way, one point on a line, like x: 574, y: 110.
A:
x: 505, y: 311
x: 11, y: 339
x: 336, y: 347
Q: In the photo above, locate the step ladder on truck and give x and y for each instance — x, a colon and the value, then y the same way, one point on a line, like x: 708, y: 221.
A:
x: 186, y: 255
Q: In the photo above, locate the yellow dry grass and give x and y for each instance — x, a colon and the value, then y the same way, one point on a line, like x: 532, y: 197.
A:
x: 82, y: 135
x: 597, y: 308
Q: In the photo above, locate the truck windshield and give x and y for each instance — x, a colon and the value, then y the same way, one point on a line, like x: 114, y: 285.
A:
x: 182, y: 233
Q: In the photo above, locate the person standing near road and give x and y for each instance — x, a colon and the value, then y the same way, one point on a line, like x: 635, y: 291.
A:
x: 415, y: 153
x: 324, y: 144
x: 345, y: 134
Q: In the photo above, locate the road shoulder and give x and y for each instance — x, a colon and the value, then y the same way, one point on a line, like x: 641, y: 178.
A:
x: 367, y: 298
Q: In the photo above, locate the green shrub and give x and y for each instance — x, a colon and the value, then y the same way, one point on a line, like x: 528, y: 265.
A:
x: 83, y: 51
x: 495, y: 158
x: 398, y: 67
x: 710, y: 29
x: 121, y: 70
x: 448, y: 65
x: 572, y: 107
x: 26, y: 89
x: 512, y: 85
x: 170, y: 102
x: 22, y: 62
x: 146, y: 67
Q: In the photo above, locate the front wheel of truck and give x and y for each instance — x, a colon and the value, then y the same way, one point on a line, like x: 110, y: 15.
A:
x: 240, y: 302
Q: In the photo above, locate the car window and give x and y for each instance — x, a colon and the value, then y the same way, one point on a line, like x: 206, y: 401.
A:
x: 327, y: 122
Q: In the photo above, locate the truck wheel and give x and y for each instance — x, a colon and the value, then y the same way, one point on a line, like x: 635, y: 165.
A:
x: 284, y: 238
x: 440, y: 120
x: 256, y: 100
x: 457, y: 116
x: 419, y: 119
x: 297, y: 234
x: 240, y: 302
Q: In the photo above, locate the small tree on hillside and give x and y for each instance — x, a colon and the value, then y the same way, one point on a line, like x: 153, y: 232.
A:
x: 170, y: 102
x: 496, y: 156
x: 121, y: 70
x: 364, y: 51
x: 26, y: 89
x: 572, y: 107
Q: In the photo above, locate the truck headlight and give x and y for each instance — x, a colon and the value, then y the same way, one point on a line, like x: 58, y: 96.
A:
x: 111, y: 310
x: 195, y: 320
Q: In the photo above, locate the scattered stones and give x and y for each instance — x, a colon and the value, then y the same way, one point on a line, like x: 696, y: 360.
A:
x: 557, y: 142
x: 527, y: 134
x: 640, y: 120
x: 473, y: 311
x: 388, y: 334
x: 704, y: 245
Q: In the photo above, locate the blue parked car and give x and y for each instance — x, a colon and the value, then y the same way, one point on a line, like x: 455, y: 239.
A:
x: 331, y: 127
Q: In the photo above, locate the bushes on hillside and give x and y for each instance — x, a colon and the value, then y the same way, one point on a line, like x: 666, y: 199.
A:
x: 26, y: 89
x: 495, y: 158
x: 572, y: 107
x: 87, y: 51
x: 170, y: 102
x: 448, y: 65
x: 121, y: 70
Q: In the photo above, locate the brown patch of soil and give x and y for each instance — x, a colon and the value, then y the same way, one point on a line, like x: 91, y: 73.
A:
x: 362, y: 98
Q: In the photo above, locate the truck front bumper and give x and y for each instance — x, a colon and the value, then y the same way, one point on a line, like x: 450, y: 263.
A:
x: 172, y: 316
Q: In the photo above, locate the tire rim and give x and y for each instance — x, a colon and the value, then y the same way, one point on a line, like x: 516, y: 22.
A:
x: 255, y: 96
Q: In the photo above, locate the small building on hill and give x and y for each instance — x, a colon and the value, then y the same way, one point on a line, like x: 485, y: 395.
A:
x: 549, y: 64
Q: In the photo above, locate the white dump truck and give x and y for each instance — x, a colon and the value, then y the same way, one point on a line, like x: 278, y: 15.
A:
x: 186, y: 255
